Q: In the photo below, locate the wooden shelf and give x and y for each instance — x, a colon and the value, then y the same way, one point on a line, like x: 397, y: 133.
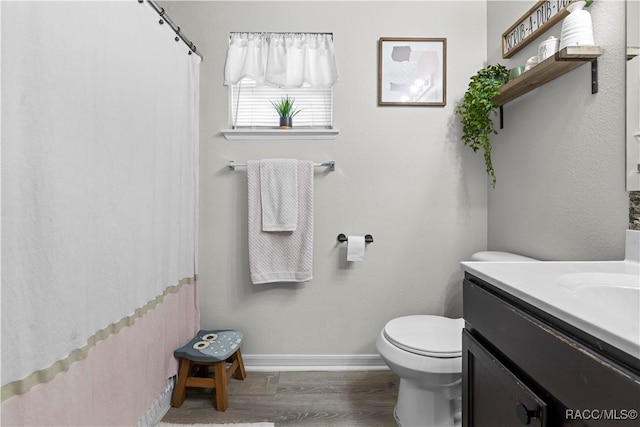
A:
x: 562, y: 62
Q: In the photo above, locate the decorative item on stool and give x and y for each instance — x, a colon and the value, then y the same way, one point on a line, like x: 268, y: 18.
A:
x: 215, y: 349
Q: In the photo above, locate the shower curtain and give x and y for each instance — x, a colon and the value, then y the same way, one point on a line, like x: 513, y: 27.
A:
x: 99, y: 210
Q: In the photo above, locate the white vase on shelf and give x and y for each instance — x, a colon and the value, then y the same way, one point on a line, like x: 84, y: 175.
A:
x: 577, y: 28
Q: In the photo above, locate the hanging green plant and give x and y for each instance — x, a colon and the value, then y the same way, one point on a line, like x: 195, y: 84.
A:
x: 476, y: 109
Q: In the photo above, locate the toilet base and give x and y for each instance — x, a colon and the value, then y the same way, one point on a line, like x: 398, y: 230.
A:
x: 419, y: 407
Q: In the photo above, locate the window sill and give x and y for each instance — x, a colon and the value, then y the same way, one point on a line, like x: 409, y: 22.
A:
x: 246, y: 134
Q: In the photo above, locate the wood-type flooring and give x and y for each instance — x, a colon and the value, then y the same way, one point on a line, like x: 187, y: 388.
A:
x: 328, y: 399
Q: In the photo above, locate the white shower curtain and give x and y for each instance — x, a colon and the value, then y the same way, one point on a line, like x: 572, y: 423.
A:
x: 99, y: 202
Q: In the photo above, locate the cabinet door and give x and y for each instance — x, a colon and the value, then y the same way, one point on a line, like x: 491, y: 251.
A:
x: 492, y: 395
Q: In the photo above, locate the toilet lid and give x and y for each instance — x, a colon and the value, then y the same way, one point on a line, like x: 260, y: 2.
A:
x: 433, y: 336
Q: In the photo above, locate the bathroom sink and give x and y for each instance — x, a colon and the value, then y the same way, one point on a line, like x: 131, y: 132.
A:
x: 600, y: 298
x: 616, y: 291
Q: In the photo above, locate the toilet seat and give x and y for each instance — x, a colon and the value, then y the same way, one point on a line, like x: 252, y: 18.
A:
x: 432, y: 336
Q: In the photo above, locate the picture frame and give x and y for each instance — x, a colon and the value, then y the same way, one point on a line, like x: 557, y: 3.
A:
x: 412, y: 71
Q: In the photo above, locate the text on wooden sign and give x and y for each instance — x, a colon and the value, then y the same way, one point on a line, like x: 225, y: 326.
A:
x: 537, y: 20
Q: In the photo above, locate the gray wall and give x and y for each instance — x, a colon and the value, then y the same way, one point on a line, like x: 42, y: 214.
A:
x: 560, y: 159
x: 402, y: 175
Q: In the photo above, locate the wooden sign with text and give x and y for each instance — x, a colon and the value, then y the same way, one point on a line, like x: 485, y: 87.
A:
x: 543, y: 15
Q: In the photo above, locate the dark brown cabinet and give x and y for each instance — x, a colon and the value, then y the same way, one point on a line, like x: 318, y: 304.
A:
x: 522, y: 366
x: 491, y: 382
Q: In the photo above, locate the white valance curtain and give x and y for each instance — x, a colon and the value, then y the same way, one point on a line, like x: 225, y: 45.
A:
x: 280, y: 60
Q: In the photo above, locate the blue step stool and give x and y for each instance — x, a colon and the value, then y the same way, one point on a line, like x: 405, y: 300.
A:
x: 211, y: 348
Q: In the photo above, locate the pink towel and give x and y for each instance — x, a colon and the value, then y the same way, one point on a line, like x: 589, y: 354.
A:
x: 283, y: 256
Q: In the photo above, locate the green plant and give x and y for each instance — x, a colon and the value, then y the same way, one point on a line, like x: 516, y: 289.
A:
x: 285, y: 107
x: 476, y: 109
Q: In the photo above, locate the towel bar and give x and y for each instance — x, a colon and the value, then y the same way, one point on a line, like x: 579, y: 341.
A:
x: 368, y: 238
x: 331, y: 165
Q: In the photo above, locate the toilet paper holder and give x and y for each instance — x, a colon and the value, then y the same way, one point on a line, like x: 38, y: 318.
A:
x: 368, y: 238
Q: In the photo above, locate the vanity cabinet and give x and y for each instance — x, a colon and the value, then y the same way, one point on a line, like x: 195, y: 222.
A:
x: 522, y: 366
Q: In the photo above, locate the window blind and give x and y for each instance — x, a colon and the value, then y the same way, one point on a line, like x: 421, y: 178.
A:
x: 251, y: 105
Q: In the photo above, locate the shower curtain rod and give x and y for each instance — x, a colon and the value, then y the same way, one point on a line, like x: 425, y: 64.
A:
x: 165, y: 18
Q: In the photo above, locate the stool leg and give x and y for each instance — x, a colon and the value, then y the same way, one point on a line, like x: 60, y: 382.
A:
x: 180, y: 391
x: 240, y: 372
x: 220, y: 373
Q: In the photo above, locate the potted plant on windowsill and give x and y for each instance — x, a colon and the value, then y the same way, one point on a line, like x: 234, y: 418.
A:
x: 286, y: 111
x: 476, y: 109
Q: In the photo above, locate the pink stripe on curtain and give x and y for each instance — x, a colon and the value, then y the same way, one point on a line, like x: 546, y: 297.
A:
x: 121, y: 377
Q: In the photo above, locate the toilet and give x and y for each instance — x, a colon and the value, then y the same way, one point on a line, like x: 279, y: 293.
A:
x: 425, y: 351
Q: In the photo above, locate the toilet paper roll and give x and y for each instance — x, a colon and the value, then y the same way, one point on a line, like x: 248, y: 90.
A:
x: 355, y: 248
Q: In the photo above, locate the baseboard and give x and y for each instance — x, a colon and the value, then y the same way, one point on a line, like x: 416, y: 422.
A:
x: 313, y: 362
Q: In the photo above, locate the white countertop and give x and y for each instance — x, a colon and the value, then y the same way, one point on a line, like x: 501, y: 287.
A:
x: 545, y: 284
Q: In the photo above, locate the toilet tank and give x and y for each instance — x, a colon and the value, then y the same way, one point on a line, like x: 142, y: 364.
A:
x: 499, y: 256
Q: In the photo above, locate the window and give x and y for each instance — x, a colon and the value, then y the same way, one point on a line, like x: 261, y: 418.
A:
x: 264, y: 67
x: 251, y: 105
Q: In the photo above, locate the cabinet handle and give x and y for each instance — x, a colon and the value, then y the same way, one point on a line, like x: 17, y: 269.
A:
x: 525, y: 415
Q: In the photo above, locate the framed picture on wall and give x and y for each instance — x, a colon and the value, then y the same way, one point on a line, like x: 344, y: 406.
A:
x: 412, y: 71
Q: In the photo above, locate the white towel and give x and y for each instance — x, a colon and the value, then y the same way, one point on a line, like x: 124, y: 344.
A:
x: 279, y: 194
x: 285, y: 256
